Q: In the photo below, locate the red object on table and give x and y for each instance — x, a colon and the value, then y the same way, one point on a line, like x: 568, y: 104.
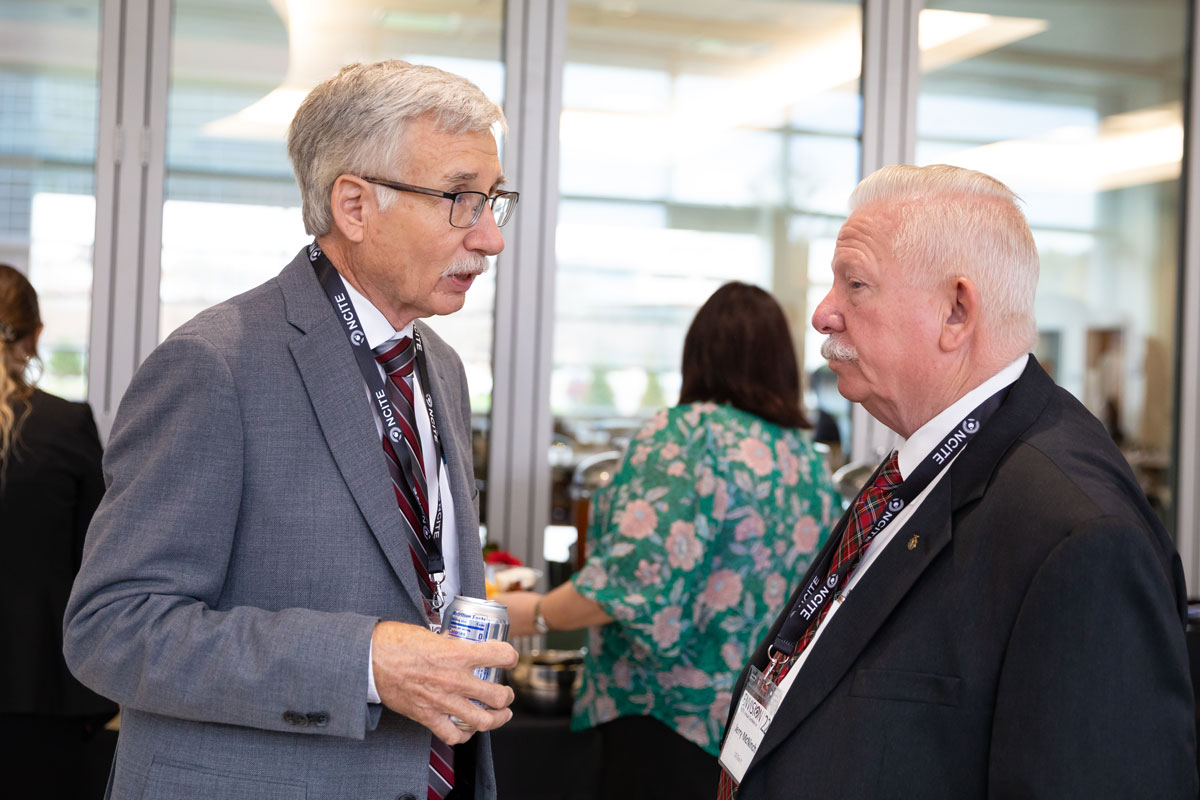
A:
x: 502, y: 557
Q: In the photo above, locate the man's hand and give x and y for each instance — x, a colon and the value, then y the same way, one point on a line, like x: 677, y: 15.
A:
x: 427, y: 677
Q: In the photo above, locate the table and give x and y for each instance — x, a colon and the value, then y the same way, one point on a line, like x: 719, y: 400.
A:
x: 540, y: 758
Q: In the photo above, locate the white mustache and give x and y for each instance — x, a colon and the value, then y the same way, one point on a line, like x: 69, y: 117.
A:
x: 473, y: 265
x: 834, y: 349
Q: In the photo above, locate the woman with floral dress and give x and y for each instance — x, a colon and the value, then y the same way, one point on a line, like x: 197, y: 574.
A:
x: 719, y: 505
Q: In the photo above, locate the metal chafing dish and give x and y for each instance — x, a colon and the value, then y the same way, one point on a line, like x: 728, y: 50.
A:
x: 546, y: 681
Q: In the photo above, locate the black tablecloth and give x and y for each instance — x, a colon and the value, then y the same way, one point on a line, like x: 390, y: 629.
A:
x: 541, y: 758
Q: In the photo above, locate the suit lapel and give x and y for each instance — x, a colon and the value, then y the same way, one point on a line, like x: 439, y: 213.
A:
x: 866, y: 609
x: 759, y: 658
x: 898, y: 568
x: 335, y: 388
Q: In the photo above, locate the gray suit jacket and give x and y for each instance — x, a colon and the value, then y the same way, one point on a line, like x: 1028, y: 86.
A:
x: 247, y: 545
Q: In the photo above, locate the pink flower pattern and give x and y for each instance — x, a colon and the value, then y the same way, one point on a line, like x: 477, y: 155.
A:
x: 720, y: 706
x: 756, y: 456
x: 693, y: 550
x: 734, y: 655
x: 750, y: 527
x: 667, y: 626
x: 654, y: 424
x: 789, y: 465
x: 805, y: 534
x: 774, y: 588
x: 720, y: 501
x: 761, y: 555
x: 685, y: 676
x: 683, y: 548
x: 724, y: 589
x: 648, y: 572
x: 622, y: 675
x: 638, y: 520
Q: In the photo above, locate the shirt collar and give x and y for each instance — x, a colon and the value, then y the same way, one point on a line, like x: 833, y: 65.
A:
x: 374, y: 323
x: 913, y: 451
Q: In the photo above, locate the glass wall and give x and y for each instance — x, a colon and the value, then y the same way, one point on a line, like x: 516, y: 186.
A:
x: 1079, y: 110
x: 239, y: 69
x: 700, y: 143
x: 49, y: 54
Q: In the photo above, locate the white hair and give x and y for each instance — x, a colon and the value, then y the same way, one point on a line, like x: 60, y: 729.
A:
x: 354, y: 123
x: 952, y: 221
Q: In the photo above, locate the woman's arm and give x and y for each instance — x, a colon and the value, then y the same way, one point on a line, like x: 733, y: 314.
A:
x: 562, y: 609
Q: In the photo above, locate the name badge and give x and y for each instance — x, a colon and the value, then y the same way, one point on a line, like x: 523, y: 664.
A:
x: 755, y: 709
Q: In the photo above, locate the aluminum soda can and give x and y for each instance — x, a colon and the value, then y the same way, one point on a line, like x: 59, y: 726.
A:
x: 474, y: 620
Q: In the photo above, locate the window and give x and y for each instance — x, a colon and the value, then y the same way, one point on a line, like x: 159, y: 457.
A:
x: 240, y: 68
x: 699, y: 145
x: 1079, y: 110
x: 49, y: 53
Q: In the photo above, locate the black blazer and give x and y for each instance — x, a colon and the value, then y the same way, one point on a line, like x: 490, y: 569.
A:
x: 49, y: 488
x: 1029, y: 645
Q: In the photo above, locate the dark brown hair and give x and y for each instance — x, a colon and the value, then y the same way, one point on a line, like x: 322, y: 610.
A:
x: 739, y: 351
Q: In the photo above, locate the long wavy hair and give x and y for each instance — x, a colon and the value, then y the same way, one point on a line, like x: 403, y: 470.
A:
x: 20, y: 322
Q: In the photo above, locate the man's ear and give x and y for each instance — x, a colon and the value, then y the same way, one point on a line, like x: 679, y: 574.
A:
x: 963, y: 315
x: 346, y: 200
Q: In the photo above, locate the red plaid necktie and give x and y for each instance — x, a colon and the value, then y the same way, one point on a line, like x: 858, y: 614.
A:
x: 866, y: 511
x: 407, y: 469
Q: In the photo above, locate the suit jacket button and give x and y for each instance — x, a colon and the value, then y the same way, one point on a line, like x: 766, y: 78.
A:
x: 406, y: 797
x: 295, y: 718
x: 318, y: 718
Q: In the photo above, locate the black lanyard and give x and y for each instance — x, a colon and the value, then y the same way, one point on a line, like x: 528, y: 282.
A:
x: 820, y: 589
x: 381, y: 392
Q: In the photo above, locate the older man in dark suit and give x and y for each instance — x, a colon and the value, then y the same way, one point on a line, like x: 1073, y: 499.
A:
x: 1000, y: 614
x: 291, y: 495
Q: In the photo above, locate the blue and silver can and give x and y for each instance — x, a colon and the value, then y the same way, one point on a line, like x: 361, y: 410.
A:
x: 474, y: 620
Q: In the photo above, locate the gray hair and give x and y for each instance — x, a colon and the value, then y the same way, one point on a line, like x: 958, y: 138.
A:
x: 953, y: 221
x: 354, y: 123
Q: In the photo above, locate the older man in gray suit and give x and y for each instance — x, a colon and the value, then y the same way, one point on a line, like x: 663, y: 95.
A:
x: 291, y: 495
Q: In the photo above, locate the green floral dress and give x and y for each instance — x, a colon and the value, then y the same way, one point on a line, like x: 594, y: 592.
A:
x: 695, y: 546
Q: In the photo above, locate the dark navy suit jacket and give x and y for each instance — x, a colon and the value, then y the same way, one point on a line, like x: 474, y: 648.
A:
x: 1030, y: 645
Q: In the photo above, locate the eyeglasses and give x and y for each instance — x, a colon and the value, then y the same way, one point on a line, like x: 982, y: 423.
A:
x: 465, y: 207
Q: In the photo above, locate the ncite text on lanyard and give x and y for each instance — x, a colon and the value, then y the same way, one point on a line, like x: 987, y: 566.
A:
x: 335, y: 290
x: 760, y: 696
x: 818, y: 592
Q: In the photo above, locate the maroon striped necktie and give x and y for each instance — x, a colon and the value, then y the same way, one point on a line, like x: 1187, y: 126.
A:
x: 407, y: 469
x: 850, y: 550
x: 406, y: 463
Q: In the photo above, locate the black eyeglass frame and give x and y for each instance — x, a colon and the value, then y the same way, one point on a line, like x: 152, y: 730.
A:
x: 489, y: 199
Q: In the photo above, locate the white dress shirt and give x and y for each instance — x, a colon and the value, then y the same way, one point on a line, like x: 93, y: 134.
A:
x: 378, y: 330
x: 910, y: 454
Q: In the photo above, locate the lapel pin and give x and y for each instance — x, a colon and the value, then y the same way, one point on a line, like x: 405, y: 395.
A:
x: 912, y: 543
